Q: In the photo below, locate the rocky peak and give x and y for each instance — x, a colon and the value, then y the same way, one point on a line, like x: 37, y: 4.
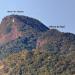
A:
x: 14, y: 26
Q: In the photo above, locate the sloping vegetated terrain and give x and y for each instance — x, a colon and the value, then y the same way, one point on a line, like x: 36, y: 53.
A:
x: 28, y: 47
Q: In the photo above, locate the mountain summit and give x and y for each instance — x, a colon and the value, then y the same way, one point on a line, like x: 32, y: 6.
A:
x: 19, y: 32
x: 28, y: 47
x: 15, y: 26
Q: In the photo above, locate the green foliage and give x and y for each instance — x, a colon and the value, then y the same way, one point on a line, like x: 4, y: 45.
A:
x: 55, y: 54
x: 39, y: 63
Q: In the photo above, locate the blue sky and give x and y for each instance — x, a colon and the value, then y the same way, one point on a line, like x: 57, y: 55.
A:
x: 50, y: 12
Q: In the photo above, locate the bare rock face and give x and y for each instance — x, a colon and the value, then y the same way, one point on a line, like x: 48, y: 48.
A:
x: 14, y: 26
x: 8, y: 29
x: 28, y: 47
x: 19, y: 32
